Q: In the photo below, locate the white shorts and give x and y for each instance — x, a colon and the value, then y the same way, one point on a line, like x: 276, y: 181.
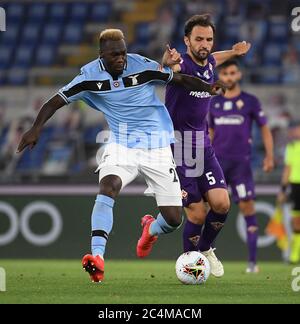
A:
x: 155, y: 165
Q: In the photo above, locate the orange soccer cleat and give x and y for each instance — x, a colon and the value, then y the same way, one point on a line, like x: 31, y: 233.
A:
x: 145, y: 243
x: 94, y: 265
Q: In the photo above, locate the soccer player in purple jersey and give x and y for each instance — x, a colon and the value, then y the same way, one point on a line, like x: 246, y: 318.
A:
x: 230, y: 121
x: 189, y: 110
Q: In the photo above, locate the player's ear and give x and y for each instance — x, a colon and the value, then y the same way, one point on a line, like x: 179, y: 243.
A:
x: 240, y: 75
x: 186, y: 41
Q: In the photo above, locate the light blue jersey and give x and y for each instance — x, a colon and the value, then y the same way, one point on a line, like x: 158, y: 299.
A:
x: 135, y: 115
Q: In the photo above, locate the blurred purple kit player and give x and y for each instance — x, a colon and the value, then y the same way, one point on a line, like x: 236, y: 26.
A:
x: 230, y: 121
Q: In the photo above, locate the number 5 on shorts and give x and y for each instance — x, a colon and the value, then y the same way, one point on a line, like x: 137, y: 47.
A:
x: 211, y: 179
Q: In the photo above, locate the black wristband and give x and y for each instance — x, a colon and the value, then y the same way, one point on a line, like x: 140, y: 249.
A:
x: 284, y: 188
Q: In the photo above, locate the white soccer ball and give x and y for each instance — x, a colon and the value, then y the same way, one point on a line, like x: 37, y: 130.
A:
x: 192, y: 268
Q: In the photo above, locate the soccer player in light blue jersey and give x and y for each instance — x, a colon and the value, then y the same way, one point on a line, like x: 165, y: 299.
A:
x: 122, y: 86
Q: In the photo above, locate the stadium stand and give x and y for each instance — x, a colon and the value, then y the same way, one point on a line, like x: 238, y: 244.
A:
x: 45, y: 36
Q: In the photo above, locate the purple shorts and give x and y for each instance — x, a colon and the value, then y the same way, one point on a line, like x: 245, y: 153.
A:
x: 195, y: 188
x: 238, y: 174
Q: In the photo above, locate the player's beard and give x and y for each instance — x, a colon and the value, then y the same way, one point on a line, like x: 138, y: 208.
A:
x: 200, y: 55
x: 231, y: 86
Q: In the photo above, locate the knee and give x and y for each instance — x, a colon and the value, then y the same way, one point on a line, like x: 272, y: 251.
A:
x: 247, y: 207
x: 176, y: 222
x: 221, y: 206
x: 110, y: 186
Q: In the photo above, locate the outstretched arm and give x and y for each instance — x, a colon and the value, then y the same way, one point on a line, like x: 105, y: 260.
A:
x: 30, y: 138
x: 238, y: 49
x: 195, y: 84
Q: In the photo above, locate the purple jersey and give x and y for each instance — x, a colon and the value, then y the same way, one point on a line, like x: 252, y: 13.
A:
x: 189, y: 109
x: 232, y: 121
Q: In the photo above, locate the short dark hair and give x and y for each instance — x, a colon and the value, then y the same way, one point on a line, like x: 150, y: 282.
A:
x: 228, y: 63
x: 198, y: 20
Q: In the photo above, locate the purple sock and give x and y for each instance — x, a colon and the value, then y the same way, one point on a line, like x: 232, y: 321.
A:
x: 251, y: 221
x: 213, y: 224
x: 191, y: 236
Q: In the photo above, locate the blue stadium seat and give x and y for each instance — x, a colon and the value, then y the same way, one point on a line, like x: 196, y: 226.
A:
x: 101, y: 11
x: 52, y: 33
x: 5, y: 56
x: 23, y: 56
x: 271, y: 77
x: 180, y: 46
x: 45, y: 55
x: 37, y: 12
x: 2, y: 78
x: 10, y: 36
x: 232, y: 29
x: 33, y: 159
x: 17, y: 76
x: 73, y: 33
x: 278, y: 29
x: 272, y: 54
x: 30, y: 33
x: 142, y: 33
x: 90, y: 134
x: 14, y: 12
x: 79, y: 11
x: 57, y: 12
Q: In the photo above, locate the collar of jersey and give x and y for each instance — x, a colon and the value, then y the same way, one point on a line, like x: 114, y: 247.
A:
x: 201, y: 68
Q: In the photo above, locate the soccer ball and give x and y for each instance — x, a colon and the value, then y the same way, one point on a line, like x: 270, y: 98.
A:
x: 192, y: 268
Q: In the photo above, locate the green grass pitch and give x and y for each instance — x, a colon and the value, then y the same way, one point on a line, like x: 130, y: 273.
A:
x: 61, y: 281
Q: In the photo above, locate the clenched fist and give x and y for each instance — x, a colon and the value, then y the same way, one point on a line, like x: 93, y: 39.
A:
x: 241, y: 48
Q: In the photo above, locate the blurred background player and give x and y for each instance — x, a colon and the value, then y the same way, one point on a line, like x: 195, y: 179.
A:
x: 231, y: 119
x: 120, y: 86
x: 291, y: 177
x: 188, y: 110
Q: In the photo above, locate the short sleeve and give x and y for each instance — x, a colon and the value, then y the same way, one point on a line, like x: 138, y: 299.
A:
x: 73, y: 91
x: 183, y: 67
x: 257, y: 113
